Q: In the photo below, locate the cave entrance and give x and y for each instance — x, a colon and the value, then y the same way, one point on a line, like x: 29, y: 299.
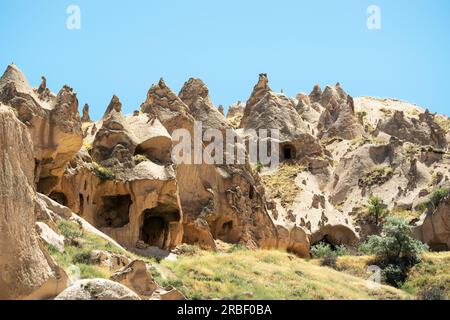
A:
x: 288, y: 152
x: 59, y: 197
x: 225, y: 230
x: 155, y: 228
x: 114, y: 211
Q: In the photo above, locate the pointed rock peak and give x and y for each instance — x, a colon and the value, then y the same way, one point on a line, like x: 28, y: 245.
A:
x: 161, y: 95
x: 263, y: 82
x: 162, y: 83
x: 42, y: 86
x: 316, y: 94
x: 85, y: 117
x: 192, y: 88
x: 115, y: 105
x: 14, y: 74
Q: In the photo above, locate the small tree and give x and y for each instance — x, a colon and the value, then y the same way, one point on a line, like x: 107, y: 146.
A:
x: 376, y: 209
x: 395, y: 250
x: 396, y: 243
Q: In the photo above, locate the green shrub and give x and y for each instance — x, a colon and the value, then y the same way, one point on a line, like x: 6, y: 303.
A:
x: 394, y: 275
x: 82, y: 257
x: 395, y: 250
x: 102, y: 172
x: 435, y: 199
x: 259, y: 166
x: 376, y: 210
x: 438, y: 195
x: 396, y: 243
x: 322, y: 250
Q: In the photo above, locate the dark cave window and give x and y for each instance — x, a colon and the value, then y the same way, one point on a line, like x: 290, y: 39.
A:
x: 114, y: 211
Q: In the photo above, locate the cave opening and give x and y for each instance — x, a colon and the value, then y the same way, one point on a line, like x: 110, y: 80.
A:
x: 288, y: 152
x: 113, y: 211
x: 59, y: 197
x: 155, y: 227
x: 225, y: 230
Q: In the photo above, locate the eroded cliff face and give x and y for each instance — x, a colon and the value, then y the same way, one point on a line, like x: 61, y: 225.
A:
x: 28, y: 272
x: 223, y: 202
x: 118, y: 173
x: 53, y: 121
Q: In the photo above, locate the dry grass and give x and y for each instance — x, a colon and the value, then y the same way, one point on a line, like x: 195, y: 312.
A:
x: 443, y: 122
x: 265, y: 275
x: 378, y: 175
x: 434, y: 270
x: 236, y: 120
x: 281, y: 184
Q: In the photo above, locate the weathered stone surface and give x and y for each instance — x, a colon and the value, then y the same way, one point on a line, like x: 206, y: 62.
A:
x: 27, y: 270
x: 227, y: 197
x: 433, y: 227
x: 112, y: 261
x: 338, y: 118
x: 85, y: 117
x: 97, y: 289
x: 136, y: 277
x: 53, y: 122
x: 422, y: 131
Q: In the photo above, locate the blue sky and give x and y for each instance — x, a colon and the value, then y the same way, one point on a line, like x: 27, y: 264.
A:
x: 124, y: 47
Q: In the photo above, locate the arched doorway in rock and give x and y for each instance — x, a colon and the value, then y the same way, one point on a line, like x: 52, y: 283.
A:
x: 113, y: 212
x: 59, y: 197
x: 288, y: 152
x: 225, y: 230
x: 155, y: 225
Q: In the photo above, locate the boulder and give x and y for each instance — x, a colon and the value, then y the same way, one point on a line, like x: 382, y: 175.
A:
x: 97, y: 289
x: 136, y: 277
x: 112, y: 261
x: 433, y: 227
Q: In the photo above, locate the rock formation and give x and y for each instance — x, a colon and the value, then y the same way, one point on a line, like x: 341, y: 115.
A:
x: 218, y: 201
x: 85, y: 117
x: 122, y: 179
x: 338, y: 119
x: 422, y: 131
x: 433, y: 227
x: 28, y: 272
x: 54, y: 125
x: 97, y: 289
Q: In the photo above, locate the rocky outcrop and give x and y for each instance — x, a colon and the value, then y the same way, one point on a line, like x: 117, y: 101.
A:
x: 85, y: 117
x: 338, y: 119
x: 259, y: 91
x: 235, y: 114
x: 97, y: 289
x: 126, y: 186
x: 268, y: 110
x: 218, y: 201
x: 421, y: 131
x: 28, y: 272
x: 433, y: 227
x: 53, y: 122
x: 114, y: 106
x: 195, y: 94
x: 136, y: 277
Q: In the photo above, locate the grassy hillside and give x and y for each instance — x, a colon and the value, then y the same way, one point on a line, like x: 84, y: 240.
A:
x: 244, y: 274
x: 432, y: 272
